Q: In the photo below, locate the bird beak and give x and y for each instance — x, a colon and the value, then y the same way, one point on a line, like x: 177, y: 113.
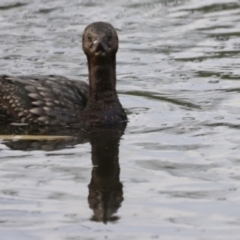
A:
x: 100, y: 47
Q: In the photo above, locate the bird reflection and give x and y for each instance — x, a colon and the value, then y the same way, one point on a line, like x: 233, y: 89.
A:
x: 32, y: 137
x: 105, y: 189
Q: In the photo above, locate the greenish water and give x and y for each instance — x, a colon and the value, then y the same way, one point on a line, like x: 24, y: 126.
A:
x: 174, y: 173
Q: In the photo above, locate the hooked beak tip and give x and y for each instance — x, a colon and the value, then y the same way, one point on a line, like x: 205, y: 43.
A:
x: 100, y: 47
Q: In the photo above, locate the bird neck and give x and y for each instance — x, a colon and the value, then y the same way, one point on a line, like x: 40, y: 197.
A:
x: 103, y: 106
x: 102, y: 77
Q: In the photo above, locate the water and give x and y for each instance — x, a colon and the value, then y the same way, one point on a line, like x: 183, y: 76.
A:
x: 176, y: 175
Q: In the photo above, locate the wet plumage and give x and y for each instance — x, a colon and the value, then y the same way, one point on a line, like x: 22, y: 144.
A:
x: 57, y: 100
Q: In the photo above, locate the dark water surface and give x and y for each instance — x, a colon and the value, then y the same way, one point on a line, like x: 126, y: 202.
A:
x: 175, y: 173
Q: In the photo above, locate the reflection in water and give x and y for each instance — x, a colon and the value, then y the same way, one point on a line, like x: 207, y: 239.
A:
x: 105, y: 189
x: 34, y: 142
x: 179, y: 77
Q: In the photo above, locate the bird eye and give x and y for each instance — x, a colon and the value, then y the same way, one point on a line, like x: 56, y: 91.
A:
x: 89, y: 38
